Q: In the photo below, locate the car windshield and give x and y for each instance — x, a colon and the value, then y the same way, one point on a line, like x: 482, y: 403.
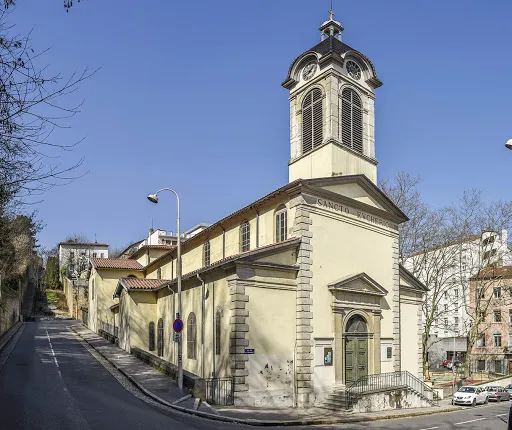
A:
x: 467, y: 389
x: 491, y: 388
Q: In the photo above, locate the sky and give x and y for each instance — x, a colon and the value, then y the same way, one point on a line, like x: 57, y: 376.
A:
x: 189, y: 96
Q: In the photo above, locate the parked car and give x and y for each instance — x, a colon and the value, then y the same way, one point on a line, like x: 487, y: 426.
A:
x: 509, y: 388
x: 448, y: 363
x: 470, y: 395
x: 497, y: 393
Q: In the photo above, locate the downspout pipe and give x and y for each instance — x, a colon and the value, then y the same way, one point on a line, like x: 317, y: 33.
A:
x: 173, y: 314
x: 202, y: 324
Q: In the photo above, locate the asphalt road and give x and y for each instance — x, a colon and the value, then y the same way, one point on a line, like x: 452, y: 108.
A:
x: 50, y: 381
x: 485, y: 417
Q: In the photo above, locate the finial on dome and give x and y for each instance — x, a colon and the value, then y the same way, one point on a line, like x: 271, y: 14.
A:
x: 331, y: 27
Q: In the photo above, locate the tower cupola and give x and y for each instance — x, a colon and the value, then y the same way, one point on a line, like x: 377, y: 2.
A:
x: 332, y: 122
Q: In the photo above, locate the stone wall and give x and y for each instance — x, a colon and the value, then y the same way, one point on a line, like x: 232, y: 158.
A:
x: 76, y: 292
x: 9, y: 309
x: 391, y: 400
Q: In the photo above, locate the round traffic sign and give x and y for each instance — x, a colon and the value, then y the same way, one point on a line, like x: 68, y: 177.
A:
x: 177, y: 325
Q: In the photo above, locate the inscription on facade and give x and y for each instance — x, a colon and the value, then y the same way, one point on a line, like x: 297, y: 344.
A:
x: 337, y: 207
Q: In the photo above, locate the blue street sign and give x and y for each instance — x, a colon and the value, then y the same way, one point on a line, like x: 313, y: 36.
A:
x: 249, y: 351
x: 177, y: 325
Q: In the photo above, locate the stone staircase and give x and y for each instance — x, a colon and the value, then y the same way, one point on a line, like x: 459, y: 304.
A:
x: 343, y: 398
x: 337, y: 400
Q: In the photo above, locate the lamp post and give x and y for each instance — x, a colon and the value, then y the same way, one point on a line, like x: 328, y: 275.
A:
x: 154, y: 199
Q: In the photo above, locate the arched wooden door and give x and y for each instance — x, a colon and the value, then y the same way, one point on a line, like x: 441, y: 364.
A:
x: 356, y: 349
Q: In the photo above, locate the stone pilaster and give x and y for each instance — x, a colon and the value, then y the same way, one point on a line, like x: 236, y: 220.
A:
x: 238, y: 337
x: 304, y: 302
x: 396, y: 307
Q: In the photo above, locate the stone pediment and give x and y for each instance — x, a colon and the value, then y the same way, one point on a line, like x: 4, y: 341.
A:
x: 358, y: 192
x: 358, y: 284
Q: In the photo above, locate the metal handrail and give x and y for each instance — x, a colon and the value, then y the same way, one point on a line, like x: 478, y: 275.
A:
x: 390, y: 380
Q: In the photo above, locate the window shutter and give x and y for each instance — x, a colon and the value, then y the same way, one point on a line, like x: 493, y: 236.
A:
x: 352, y: 120
x: 312, y: 120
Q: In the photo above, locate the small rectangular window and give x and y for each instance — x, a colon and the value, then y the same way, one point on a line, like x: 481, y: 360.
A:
x: 389, y: 352
x: 72, y: 254
x: 497, y: 316
x: 456, y: 293
x: 480, y: 342
x: 497, y: 292
x: 497, y: 339
x: 94, y: 255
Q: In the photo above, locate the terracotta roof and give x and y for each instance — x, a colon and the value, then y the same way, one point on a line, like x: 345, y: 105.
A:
x: 494, y: 272
x: 116, y: 263
x: 143, y: 248
x: 83, y: 243
x: 143, y: 284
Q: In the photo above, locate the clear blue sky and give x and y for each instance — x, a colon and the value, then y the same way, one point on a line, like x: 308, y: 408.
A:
x: 189, y: 96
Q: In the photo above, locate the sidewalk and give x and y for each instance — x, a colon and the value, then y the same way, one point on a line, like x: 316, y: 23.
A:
x: 149, y: 380
x: 164, y: 390
x: 325, y: 416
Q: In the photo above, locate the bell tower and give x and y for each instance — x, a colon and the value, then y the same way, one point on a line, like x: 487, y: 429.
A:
x: 332, y: 123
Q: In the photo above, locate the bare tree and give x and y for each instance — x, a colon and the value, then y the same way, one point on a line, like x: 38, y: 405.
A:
x: 34, y: 104
x: 443, y: 248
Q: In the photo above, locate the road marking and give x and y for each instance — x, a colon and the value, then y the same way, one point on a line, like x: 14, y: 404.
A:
x: 501, y: 415
x: 431, y: 428
x: 472, y: 421
x: 53, y: 353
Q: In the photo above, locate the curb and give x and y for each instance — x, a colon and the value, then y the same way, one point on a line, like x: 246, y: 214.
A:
x: 9, y: 334
x: 266, y: 423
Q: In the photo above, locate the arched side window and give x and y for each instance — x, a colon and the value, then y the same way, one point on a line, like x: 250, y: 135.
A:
x: 206, y: 254
x: 352, y: 120
x: 312, y: 120
x: 245, y: 237
x: 160, y: 338
x: 159, y: 273
x: 191, y: 336
x: 218, y: 325
x: 151, y: 336
x: 281, y: 224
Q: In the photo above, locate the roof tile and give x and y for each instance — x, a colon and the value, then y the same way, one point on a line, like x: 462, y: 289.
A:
x: 116, y: 263
x: 143, y: 284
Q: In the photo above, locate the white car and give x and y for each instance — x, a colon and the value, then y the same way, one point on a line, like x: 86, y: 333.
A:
x: 470, y: 395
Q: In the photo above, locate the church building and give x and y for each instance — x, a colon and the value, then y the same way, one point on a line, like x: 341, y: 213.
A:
x: 300, y: 292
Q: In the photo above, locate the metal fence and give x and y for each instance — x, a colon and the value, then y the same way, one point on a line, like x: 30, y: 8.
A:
x: 220, y: 391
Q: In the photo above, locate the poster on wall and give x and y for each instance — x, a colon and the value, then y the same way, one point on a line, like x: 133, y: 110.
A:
x: 328, y: 356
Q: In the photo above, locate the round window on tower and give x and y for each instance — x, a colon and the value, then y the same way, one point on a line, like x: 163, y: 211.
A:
x: 353, y: 70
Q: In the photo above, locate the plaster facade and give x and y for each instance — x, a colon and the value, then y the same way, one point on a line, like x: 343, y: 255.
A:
x: 298, y: 292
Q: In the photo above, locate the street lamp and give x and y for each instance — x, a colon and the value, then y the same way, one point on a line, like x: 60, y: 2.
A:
x: 154, y: 199
x: 509, y: 144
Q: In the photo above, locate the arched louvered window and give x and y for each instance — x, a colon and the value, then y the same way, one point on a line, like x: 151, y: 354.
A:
x: 206, y: 254
x: 281, y: 224
x: 192, y: 336
x: 245, y: 237
x: 151, y: 336
x: 160, y: 338
x: 218, y: 322
x: 312, y: 120
x: 352, y: 120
